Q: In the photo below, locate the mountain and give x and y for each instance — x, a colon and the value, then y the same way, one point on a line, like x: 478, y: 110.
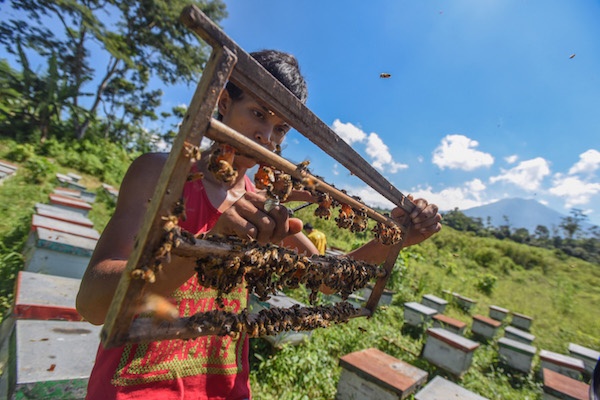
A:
x: 521, y: 213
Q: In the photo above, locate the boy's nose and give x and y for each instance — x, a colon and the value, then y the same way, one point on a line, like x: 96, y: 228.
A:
x: 264, y: 138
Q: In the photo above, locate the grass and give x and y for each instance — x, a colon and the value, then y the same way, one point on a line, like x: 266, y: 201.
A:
x: 559, y: 292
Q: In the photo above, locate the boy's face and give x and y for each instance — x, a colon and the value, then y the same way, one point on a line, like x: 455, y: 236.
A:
x: 253, y: 119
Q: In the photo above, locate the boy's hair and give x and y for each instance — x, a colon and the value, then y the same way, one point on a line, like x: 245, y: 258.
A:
x: 283, y: 66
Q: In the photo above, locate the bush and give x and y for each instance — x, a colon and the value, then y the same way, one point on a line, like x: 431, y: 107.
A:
x: 37, y: 170
x: 486, y: 283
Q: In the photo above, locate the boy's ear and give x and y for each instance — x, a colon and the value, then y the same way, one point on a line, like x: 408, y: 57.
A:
x: 224, y: 102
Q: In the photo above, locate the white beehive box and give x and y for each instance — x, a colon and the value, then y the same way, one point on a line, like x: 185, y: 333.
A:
x: 518, y: 335
x: 435, y: 302
x: 516, y: 355
x: 449, y: 351
x: 521, y: 321
x: 443, y: 389
x: 449, y: 324
x: 417, y: 315
x: 561, y: 363
x: 589, y: 356
x: 498, y: 313
x: 374, y: 375
x: 485, y: 327
x: 561, y: 387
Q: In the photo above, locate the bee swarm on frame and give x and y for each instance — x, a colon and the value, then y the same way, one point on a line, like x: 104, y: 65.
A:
x: 272, y: 321
x: 265, y: 269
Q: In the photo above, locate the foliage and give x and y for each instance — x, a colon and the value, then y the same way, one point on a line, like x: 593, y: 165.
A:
x: 575, y: 243
x: 76, y: 97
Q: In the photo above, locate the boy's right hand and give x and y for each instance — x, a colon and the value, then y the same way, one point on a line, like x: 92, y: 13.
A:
x: 248, y: 219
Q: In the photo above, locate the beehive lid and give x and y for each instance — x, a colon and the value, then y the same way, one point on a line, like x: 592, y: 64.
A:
x: 442, y: 389
x: 434, y: 299
x: 64, y: 242
x: 44, y: 297
x: 420, y: 308
x: 453, y: 339
x: 562, y: 360
x: 584, y: 352
x: 559, y: 384
x: 54, y: 350
x: 450, y: 321
x: 40, y: 221
x: 517, y: 332
x: 516, y: 346
x: 69, y: 202
x: 384, y: 370
x: 499, y: 309
x: 487, y: 321
x: 73, y: 218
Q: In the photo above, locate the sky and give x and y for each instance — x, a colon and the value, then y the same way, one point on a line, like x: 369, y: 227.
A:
x: 486, y: 99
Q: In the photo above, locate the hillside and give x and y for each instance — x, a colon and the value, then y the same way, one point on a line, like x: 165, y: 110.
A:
x: 519, y: 213
x: 557, y: 291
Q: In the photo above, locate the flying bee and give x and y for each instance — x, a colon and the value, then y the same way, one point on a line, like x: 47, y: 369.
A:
x: 192, y: 152
x: 159, y: 307
x: 385, y: 75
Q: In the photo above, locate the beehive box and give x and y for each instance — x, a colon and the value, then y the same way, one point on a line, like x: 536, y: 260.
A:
x: 374, y: 375
x: 435, y: 302
x: 485, y: 327
x: 518, y: 335
x: 417, y: 315
x: 57, y: 253
x: 443, y: 389
x: 463, y: 302
x: 54, y: 359
x: 561, y: 363
x: 516, y: 355
x: 449, y: 324
x: 589, y: 356
x: 70, y: 204
x: 521, y: 321
x: 498, y: 313
x: 561, y: 387
x: 45, y: 297
x: 449, y: 351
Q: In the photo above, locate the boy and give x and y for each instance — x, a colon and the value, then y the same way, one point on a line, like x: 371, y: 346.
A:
x: 207, y: 367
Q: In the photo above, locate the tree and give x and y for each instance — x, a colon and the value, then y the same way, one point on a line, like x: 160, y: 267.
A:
x: 139, y: 40
x: 571, y: 225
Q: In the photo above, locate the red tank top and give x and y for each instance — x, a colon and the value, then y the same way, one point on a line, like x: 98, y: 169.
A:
x: 208, y: 367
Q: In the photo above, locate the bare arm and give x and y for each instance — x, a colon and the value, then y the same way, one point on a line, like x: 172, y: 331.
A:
x: 116, y: 243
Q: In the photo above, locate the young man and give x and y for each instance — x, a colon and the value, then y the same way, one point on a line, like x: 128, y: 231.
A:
x: 208, y: 367
x: 317, y: 237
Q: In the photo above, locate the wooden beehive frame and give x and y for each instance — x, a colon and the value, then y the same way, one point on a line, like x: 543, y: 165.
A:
x: 228, y: 62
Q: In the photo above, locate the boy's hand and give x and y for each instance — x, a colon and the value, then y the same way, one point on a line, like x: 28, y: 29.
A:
x: 425, y: 218
x: 248, y: 219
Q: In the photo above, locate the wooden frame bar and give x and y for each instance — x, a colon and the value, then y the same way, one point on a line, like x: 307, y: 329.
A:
x: 228, y: 62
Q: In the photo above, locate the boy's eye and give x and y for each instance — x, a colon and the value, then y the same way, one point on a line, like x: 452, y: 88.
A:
x: 258, y: 114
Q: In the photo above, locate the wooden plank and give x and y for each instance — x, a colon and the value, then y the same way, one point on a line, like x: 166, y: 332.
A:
x: 252, y: 77
x: 167, y: 193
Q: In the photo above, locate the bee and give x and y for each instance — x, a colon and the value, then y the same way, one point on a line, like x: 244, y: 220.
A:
x: 220, y: 163
x: 192, y: 152
x: 572, y: 56
x: 264, y: 178
x: 385, y: 75
x: 159, y: 307
x: 194, y: 176
x: 303, y: 166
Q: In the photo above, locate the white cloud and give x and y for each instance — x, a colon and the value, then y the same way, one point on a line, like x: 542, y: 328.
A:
x: 463, y: 197
x: 458, y: 152
x: 527, y: 174
x: 369, y: 196
x: 380, y: 154
x: 335, y: 170
x: 574, y: 190
x: 375, y: 147
x: 348, y: 132
x: 589, y: 161
x: 511, y: 159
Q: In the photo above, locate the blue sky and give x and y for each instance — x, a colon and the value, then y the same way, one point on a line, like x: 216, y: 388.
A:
x: 486, y: 99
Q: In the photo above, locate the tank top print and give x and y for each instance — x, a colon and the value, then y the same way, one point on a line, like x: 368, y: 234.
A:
x: 208, y: 367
